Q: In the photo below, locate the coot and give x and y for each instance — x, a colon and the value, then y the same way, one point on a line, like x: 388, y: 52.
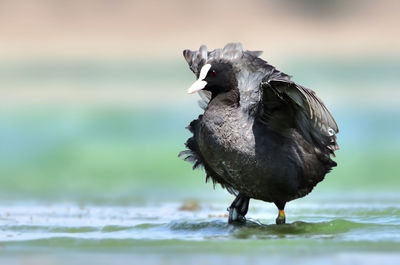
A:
x: 261, y: 135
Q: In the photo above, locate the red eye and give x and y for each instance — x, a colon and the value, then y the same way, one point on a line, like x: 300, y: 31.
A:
x: 213, y: 73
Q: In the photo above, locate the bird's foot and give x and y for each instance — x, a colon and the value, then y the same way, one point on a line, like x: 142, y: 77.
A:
x: 235, y: 217
x: 238, y: 209
x: 281, y: 219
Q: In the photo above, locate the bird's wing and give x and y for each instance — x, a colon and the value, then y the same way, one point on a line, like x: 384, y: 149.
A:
x: 311, y: 116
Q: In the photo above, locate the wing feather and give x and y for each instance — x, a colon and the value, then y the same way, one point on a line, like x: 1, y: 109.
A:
x: 311, y: 115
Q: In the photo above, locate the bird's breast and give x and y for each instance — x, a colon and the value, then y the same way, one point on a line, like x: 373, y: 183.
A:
x: 227, y: 132
x: 227, y: 143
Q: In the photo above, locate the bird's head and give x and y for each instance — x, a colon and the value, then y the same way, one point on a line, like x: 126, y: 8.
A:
x: 215, y: 77
x: 229, y: 69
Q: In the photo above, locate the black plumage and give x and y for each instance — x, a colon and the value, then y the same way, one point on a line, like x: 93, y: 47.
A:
x: 261, y: 135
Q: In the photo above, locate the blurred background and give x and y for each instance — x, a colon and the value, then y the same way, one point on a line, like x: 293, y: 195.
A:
x: 93, y: 101
x: 93, y: 110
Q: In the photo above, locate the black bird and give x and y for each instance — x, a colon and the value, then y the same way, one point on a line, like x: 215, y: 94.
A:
x: 261, y: 135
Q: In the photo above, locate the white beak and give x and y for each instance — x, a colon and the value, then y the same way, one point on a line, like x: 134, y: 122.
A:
x: 199, y: 84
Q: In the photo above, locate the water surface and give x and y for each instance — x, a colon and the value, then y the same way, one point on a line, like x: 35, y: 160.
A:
x: 318, y: 229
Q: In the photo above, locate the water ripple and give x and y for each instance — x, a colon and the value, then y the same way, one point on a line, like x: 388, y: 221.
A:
x: 348, y: 223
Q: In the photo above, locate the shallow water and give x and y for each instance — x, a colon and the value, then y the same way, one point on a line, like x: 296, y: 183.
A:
x: 327, y: 231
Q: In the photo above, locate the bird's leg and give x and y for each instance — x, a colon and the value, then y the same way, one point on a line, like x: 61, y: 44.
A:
x: 281, y: 219
x: 238, y: 209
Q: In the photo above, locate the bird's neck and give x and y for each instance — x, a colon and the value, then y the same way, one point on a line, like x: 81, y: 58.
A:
x: 230, y: 98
